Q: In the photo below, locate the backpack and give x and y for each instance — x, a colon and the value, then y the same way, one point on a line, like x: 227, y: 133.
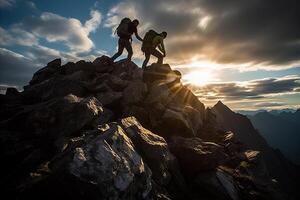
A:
x: 148, y: 40
x: 122, y: 29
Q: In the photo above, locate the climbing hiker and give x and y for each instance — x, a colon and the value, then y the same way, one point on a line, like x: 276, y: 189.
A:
x: 150, y: 42
x: 125, y: 31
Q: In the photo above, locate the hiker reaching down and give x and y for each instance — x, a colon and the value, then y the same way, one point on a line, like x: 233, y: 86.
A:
x: 125, y: 31
x: 150, y: 42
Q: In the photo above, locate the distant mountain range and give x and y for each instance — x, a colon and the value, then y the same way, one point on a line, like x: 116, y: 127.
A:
x: 281, y: 129
x: 254, y: 112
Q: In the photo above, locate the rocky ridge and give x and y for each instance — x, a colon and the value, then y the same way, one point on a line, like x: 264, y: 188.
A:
x: 105, y: 130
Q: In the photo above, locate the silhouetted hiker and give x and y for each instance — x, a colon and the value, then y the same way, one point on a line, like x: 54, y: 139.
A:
x: 151, y: 41
x: 125, y: 30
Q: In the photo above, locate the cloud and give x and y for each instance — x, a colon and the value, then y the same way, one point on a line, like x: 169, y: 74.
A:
x: 7, y: 3
x: 17, y: 36
x: 15, y: 68
x: 56, y: 28
x: 262, y: 34
x: 255, y: 89
x: 268, y: 104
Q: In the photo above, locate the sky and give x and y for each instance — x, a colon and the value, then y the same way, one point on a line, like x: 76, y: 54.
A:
x: 244, y: 53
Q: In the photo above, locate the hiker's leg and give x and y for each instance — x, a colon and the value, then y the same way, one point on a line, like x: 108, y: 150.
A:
x: 128, y: 47
x: 158, y: 55
x: 120, y: 49
x: 147, y: 57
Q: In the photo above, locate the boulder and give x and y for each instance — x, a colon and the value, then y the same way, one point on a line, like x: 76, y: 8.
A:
x: 126, y: 70
x: 116, y: 83
x: 184, y: 121
x: 153, y: 149
x: 103, y: 64
x: 134, y: 93
x: 58, y: 117
x: 57, y: 86
x: 46, y: 72
x: 103, y: 164
x: 83, y: 76
x: 156, y: 72
x: 217, y: 184
x: 138, y: 112
x: 11, y: 91
x: 158, y: 93
x: 68, y: 68
x: 110, y: 99
x: 251, y: 155
x: 195, y: 155
x: 175, y: 123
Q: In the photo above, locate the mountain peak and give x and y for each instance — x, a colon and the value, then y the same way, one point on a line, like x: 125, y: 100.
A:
x: 220, y: 106
x: 84, y: 110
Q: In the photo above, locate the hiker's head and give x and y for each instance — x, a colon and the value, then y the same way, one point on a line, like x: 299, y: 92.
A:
x: 135, y: 22
x: 164, y: 34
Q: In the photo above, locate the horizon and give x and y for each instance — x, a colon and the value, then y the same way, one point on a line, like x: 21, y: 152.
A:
x: 244, y: 54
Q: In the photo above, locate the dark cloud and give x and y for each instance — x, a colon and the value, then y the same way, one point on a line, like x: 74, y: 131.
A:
x: 7, y: 3
x: 273, y: 85
x: 259, y: 32
x: 257, y: 89
x: 15, y: 68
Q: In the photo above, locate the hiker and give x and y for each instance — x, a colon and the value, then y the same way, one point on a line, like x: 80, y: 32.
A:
x: 125, y: 30
x: 151, y: 41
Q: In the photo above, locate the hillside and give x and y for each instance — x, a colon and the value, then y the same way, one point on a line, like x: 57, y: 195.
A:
x: 105, y: 130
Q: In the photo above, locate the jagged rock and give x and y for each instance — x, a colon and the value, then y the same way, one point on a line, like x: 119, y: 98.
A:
x: 229, y: 137
x: 181, y: 120
x: 54, y: 87
x: 58, y: 117
x: 110, y: 99
x: 117, y: 84
x: 68, y: 68
x: 46, y: 72
x: 125, y: 159
x: 103, y: 164
x: 11, y: 91
x: 175, y: 123
x: 153, y: 149
x: 155, y: 152
x: 156, y: 72
x: 216, y: 184
x: 103, y: 64
x: 80, y: 76
x: 158, y: 93
x: 251, y: 155
x: 139, y: 112
x: 134, y: 93
x: 195, y: 155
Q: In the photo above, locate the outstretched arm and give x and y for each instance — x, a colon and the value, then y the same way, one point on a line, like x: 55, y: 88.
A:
x: 161, y: 47
x: 138, y: 37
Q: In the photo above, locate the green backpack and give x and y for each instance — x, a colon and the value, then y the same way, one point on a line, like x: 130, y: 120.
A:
x: 148, y: 40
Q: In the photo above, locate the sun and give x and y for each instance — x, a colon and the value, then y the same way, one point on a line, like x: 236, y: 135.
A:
x: 199, y: 77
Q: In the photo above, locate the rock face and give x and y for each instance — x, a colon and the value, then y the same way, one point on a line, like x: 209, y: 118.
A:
x: 109, y: 130
x: 272, y: 162
x: 102, y: 164
x: 195, y: 155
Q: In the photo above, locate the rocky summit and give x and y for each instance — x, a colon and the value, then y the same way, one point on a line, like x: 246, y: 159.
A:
x: 110, y: 130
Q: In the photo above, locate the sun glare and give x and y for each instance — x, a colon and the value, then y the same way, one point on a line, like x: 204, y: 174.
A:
x: 198, y: 77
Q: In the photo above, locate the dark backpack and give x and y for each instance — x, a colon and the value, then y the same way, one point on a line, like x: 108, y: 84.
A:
x: 148, y: 40
x: 122, y: 29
